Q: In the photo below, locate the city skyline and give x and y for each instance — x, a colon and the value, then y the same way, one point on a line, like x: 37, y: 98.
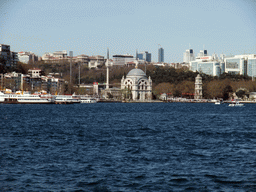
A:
x: 90, y: 27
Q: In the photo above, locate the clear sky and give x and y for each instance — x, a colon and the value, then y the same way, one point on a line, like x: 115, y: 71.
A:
x: 90, y: 26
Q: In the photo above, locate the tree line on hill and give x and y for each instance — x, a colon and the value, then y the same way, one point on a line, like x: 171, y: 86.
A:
x: 175, y: 82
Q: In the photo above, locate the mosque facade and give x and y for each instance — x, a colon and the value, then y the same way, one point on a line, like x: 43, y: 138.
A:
x: 136, y: 86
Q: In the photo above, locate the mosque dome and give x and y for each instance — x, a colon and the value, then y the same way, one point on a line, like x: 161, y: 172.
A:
x: 137, y: 73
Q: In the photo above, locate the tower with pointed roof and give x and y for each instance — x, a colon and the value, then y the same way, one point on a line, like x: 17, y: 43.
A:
x: 107, y: 75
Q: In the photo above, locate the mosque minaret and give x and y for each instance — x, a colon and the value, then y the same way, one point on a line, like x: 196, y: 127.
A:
x: 107, y: 65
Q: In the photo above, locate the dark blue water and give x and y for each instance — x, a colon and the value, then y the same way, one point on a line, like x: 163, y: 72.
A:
x: 128, y: 147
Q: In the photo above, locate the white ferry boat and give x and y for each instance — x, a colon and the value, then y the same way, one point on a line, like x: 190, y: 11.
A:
x: 2, y: 97
x: 86, y: 99
x: 25, y: 98
x: 66, y: 99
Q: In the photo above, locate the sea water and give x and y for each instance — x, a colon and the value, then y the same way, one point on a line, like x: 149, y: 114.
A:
x: 128, y: 147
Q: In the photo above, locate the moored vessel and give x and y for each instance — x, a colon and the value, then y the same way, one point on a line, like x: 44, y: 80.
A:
x: 66, y: 99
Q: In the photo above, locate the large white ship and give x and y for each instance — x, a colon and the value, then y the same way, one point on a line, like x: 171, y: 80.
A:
x: 87, y: 99
x: 66, y: 99
x: 25, y: 98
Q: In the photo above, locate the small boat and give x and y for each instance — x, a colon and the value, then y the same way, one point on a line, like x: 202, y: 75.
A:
x: 218, y: 102
x: 236, y: 104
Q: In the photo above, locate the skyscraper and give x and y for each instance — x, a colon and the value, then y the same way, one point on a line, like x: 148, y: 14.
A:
x: 189, y: 56
x: 146, y: 56
x: 160, y: 55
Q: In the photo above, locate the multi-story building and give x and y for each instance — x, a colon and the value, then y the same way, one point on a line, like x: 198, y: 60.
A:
x: 202, y: 53
x: 14, y: 59
x: 56, y: 56
x: 238, y: 64
x: 5, y: 54
x: 251, y: 65
x: 207, y: 65
x: 60, y: 54
x: 52, y: 84
x: 12, y: 81
x: 160, y: 55
x: 25, y: 57
x: 121, y: 60
x: 144, y: 56
x: 35, y: 72
x: 96, y: 61
x: 188, y: 56
x: 8, y: 58
x: 82, y: 59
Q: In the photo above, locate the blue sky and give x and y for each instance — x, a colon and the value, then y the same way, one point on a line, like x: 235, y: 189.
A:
x: 90, y: 26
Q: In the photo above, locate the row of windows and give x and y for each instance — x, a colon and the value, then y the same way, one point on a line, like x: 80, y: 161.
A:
x: 251, y: 66
x: 142, y: 87
x: 207, y: 68
x: 233, y: 63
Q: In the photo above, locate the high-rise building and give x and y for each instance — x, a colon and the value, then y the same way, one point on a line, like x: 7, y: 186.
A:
x: 160, y: 55
x: 251, y: 66
x: 238, y: 64
x: 5, y: 54
x: 207, y: 65
x: 202, y: 53
x: 144, y: 56
x: 188, y: 56
x: 8, y: 58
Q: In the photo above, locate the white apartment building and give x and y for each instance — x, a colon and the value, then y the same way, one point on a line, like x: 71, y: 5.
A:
x: 55, y: 56
x: 96, y: 62
x: 25, y: 57
x: 35, y: 72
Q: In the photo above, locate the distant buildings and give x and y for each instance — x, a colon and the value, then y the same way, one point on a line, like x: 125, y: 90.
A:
x: 202, y: 53
x: 25, y: 57
x: 241, y: 64
x: 160, y: 55
x: 92, y: 62
x: 96, y: 62
x: 251, y: 66
x: 56, y: 56
x: 189, y: 56
x: 82, y: 59
x: 208, y: 65
x: 144, y: 56
x: 121, y: 60
x: 7, y: 57
x: 33, y: 81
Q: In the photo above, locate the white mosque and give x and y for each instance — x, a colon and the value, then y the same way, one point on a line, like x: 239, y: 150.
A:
x: 138, y: 85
